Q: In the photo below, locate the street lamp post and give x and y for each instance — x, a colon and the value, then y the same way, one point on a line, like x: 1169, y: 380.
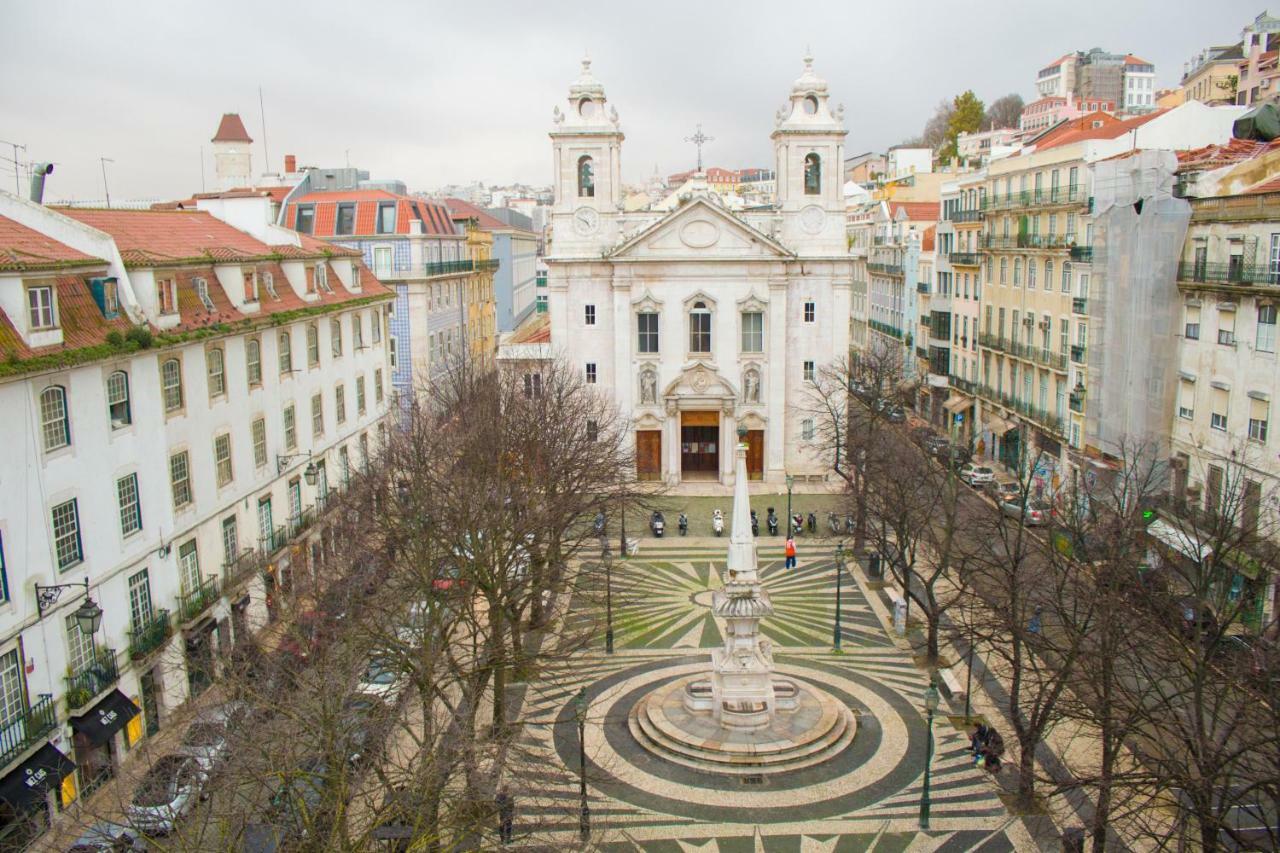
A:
x: 835, y: 635
x: 968, y: 679
x: 608, y: 602
x: 584, y: 815
x: 790, y: 482
x: 623, y: 548
x: 930, y: 706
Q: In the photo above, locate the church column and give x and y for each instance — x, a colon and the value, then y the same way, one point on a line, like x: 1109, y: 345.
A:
x: 776, y: 387
x: 671, y: 444
x: 728, y: 442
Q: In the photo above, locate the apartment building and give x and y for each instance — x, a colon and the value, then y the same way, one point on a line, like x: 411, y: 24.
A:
x: 414, y: 247
x: 515, y: 252
x: 953, y: 308
x: 187, y: 401
x: 893, y: 270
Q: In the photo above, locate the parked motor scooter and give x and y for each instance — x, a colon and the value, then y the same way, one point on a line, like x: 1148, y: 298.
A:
x: 772, y: 520
x: 833, y: 523
x: 717, y: 522
x: 813, y: 522
x: 797, y: 524
x: 683, y: 524
x: 755, y: 524
x: 657, y: 524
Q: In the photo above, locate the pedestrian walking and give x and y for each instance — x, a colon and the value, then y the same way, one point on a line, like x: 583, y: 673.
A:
x: 791, y: 553
x: 506, y: 813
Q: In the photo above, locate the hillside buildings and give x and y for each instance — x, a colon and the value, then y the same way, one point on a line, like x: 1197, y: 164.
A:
x: 701, y: 319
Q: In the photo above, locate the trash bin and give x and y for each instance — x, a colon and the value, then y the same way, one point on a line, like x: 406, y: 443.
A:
x: 874, y: 569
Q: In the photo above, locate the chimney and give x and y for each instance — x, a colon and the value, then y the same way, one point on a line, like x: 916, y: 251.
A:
x: 290, y: 164
x: 37, y: 181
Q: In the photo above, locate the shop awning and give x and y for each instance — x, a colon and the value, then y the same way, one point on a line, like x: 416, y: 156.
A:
x: 1178, y: 541
x: 27, y: 783
x: 955, y: 404
x: 107, y: 717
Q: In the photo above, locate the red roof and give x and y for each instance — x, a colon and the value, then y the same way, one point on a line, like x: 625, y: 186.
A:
x: 1082, y: 129
x: 1130, y: 59
x: 434, y: 217
x: 23, y: 248
x: 460, y: 209
x: 159, y: 237
x: 1272, y: 185
x: 231, y: 129
x: 79, y: 317
x: 1215, y: 156
x: 917, y: 211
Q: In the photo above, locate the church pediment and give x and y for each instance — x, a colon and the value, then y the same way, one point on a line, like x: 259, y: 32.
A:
x: 702, y: 381
x: 699, y: 230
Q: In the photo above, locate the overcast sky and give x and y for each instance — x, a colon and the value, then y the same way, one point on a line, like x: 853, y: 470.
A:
x: 436, y: 93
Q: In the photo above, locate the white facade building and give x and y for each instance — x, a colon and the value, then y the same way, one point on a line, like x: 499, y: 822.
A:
x: 699, y: 319
x: 163, y: 408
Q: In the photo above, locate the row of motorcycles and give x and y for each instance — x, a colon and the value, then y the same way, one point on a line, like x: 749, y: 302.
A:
x: 658, y: 523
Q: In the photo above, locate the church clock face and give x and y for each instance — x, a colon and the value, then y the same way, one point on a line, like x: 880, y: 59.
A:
x: 812, y: 219
x: 586, y: 221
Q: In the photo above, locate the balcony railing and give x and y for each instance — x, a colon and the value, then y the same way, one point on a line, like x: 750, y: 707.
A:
x: 1076, y: 401
x: 885, y: 329
x: 963, y: 384
x: 1044, y: 418
x: 1073, y: 194
x: 274, y: 541
x: 879, y: 240
x: 922, y: 287
x: 487, y: 264
x: 196, y: 601
x: 427, y: 270
x: 965, y: 216
x: 302, y: 521
x: 1077, y: 354
x: 28, y: 728
x: 887, y: 269
x: 965, y: 259
x: 150, y: 636
x: 95, y: 678
x: 1084, y: 254
x: 1026, y: 241
x: 1079, y: 304
x: 1240, y: 274
x: 241, y: 568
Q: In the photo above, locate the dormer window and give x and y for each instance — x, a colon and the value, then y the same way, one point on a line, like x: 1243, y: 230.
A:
x: 346, y: 220
x: 304, y: 220
x: 386, y: 217
x: 251, y: 286
x: 269, y: 282
x: 202, y: 292
x: 167, y: 295
x: 311, y: 279
x: 586, y: 177
x: 40, y: 306
x: 110, y: 299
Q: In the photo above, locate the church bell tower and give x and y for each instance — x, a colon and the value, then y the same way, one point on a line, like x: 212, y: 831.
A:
x: 808, y: 145
x: 587, y: 145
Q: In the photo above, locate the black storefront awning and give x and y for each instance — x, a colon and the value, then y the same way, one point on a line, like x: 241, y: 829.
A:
x: 32, y: 779
x: 107, y: 717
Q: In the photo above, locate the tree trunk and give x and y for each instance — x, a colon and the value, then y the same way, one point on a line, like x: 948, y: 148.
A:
x: 1026, y: 775
x: 931, y: 648
x: 499, y: 663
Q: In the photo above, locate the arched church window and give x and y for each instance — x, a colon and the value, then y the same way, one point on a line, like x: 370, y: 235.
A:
x: 812, y: 174
x: 586, y: 177
x: 700, y: 328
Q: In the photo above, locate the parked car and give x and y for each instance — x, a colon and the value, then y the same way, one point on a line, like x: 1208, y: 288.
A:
x: 208, y: 738
x: 166, y: 793
x: 895, y: 415
x: 977, y: 475
x: 934, y: 444
x: 1004, y: 491
x: 381, y: 681
x: 105, y: 835
x: 1032, y: 514
x: 955, y: 456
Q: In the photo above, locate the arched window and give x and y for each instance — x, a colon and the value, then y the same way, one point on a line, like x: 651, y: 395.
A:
x: 586, y: 177
x: 700, y: 328
x: 118, y: 399
x: 812, y: 174
x: 54, y: 425
x: 171, y: 384
x: 253, y: 361
x: 286, y: 354
x: 335, y: 337
x: 313, y: 345
x: 217, y: 375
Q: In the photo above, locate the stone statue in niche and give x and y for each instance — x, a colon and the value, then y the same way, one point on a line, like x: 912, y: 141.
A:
x: 648, y: 387
x: 751, y: 386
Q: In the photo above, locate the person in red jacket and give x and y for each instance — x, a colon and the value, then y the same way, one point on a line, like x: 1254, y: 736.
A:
x: 791, y: 553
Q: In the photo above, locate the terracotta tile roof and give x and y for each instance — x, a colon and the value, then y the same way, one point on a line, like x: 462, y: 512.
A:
x: 1082, y: 129
x: 82, y: 321
x: 460, y: 209
x: 161, y: 237
x: 434, y: 217
x: 1269, y: 186
x: 231, y: 129
x: 1130, y: 59
x: 1214, y: 156
x: 535, y: 330
x: 917, y: 211
x: 23, y: 248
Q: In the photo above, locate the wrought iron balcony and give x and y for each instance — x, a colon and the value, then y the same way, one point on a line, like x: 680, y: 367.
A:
x: 150, y: 636
x: 426, y: 270
x: 1076, y: 401
x: 1236, y: 274
x: 885, y: 329
x: 1079, y: 304
x: 965, y: 259
x: 963, y: 384
x: 886, y: 269
x: 28, y: 728
x: 198, y: 600
x: 1025, y: 241
x: 274, y: 541
x: 243, y: 567
x: 1077, y: 353
x: 1083, y: 254
x: 300, y: 522
x: 965, y: 215
x: 1072, y: 194
x: 487, y: 264
x: 95, y: 678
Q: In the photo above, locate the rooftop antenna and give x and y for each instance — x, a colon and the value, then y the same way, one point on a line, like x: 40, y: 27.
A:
x: 17, y: 186
x: 105, y: 191
x: 266, y: 152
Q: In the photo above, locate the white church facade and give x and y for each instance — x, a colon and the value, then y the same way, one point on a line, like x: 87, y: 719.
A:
x: 698, y: 320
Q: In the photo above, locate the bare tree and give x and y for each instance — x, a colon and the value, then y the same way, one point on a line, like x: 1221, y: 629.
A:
x: 1003, y: 112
